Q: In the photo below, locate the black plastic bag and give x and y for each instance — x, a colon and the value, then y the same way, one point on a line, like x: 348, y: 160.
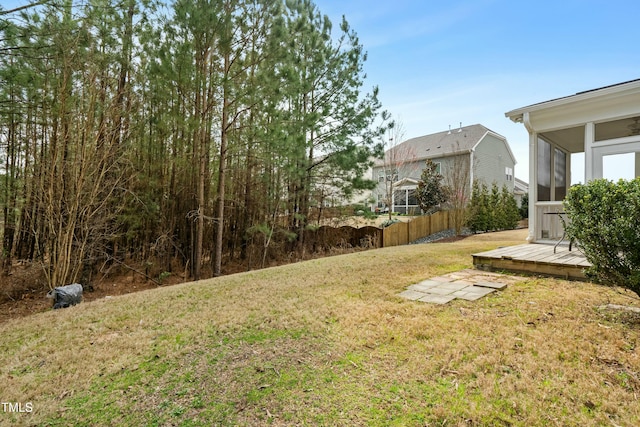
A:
x: 66, y: 296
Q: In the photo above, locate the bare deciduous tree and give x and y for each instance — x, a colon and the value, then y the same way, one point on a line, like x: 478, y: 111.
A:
x: 400, y: 160
x: 457, y: 178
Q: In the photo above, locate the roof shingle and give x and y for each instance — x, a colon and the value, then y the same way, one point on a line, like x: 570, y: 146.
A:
x: 441, y: 144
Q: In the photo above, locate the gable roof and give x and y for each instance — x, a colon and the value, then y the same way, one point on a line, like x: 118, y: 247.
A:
x: 406, y: 182
x: 447, y: 143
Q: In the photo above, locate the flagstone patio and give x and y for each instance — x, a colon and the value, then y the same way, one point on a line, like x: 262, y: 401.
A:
x: 467, y: 284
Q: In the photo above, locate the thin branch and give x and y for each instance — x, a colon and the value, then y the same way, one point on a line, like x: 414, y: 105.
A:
x: 26, y: 6
x: 135, y: 271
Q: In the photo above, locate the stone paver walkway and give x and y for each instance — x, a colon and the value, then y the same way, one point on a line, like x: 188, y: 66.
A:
x: 467, y: 284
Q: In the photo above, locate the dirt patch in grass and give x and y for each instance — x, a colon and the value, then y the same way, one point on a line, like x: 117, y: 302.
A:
x: 24, y: 291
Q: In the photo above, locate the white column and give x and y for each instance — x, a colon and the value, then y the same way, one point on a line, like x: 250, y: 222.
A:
x: 406, y: 202
x: 533, y: 178
x: 591, y: 158
x: 568, y: 172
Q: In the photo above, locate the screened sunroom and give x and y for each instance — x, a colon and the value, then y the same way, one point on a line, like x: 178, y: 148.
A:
x: 589, y: 135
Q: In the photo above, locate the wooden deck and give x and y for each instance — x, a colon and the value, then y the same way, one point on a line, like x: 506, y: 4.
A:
x: 535, y: 259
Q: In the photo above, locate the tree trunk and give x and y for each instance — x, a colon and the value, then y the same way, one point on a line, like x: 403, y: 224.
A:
x: 222, y: 170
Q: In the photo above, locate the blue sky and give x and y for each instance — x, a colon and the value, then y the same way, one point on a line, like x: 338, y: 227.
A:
x: 439, y: 63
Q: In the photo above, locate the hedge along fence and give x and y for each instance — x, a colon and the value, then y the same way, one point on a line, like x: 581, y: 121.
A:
x: 402, y: 233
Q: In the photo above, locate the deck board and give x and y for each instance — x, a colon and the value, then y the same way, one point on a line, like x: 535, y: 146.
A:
x: 536, y: 259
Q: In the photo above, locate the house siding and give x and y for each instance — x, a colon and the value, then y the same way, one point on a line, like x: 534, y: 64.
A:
x: 491, y: 157
x: 414, y: 170
x: 452, y: 162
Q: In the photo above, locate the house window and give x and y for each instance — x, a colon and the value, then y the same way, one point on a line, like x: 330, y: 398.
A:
x: 544, y: 170
x: 404, y: 200
x: 412, y: 200
x: 560, y: 174
x: 509, y: 173
x: 552, y: 172
x: 400, y: 197
x: 381, y: 175
x: 438, y: 167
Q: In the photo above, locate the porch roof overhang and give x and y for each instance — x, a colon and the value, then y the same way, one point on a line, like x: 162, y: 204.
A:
x: 614, y: 109
x: 405, y: 184
x: 598, y: 122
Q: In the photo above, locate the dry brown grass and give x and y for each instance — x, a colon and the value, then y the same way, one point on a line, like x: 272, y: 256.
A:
x: 328, y: 342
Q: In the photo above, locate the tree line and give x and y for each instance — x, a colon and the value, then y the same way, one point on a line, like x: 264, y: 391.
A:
x: 181, y: 134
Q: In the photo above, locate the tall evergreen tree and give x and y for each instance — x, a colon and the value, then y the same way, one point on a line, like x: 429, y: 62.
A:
x: 332, y: 121
x: 510, y: 209
x: 477, y: 209
x: 127, y: 134
x: 496, y: 209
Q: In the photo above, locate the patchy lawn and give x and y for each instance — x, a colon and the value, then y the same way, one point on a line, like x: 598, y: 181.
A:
x: 329, y: 342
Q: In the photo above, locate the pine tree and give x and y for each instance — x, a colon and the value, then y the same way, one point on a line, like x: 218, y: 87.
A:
x: 496, y: 212
x: 331, y: 120
x: 76, y: 117
x: 477, y: 211
x: 510, y: 209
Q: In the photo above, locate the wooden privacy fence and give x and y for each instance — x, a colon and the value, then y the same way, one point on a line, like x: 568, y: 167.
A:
x: 397, y: 234
x: 402, y: 233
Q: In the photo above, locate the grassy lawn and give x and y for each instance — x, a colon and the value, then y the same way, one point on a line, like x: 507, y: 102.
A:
x: 328, y: 342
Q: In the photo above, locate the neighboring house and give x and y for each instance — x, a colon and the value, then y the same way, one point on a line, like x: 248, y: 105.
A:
x: 463, y: 154
x: 520, y: 188
x: 599, y: 123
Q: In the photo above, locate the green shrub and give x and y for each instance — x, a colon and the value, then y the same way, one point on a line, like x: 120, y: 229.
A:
x: 604, y: 218
x: 509, y: 208
x: 389, y: 222
x: 478, y: 208
x: 524, y: 206
x: 497, y: 210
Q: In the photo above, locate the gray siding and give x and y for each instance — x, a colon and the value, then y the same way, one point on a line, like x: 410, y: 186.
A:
x: 490, y: 160
x: 491, y: 157
x: 408, y: 170
x: 414, y: 170
x: 452, y: 162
